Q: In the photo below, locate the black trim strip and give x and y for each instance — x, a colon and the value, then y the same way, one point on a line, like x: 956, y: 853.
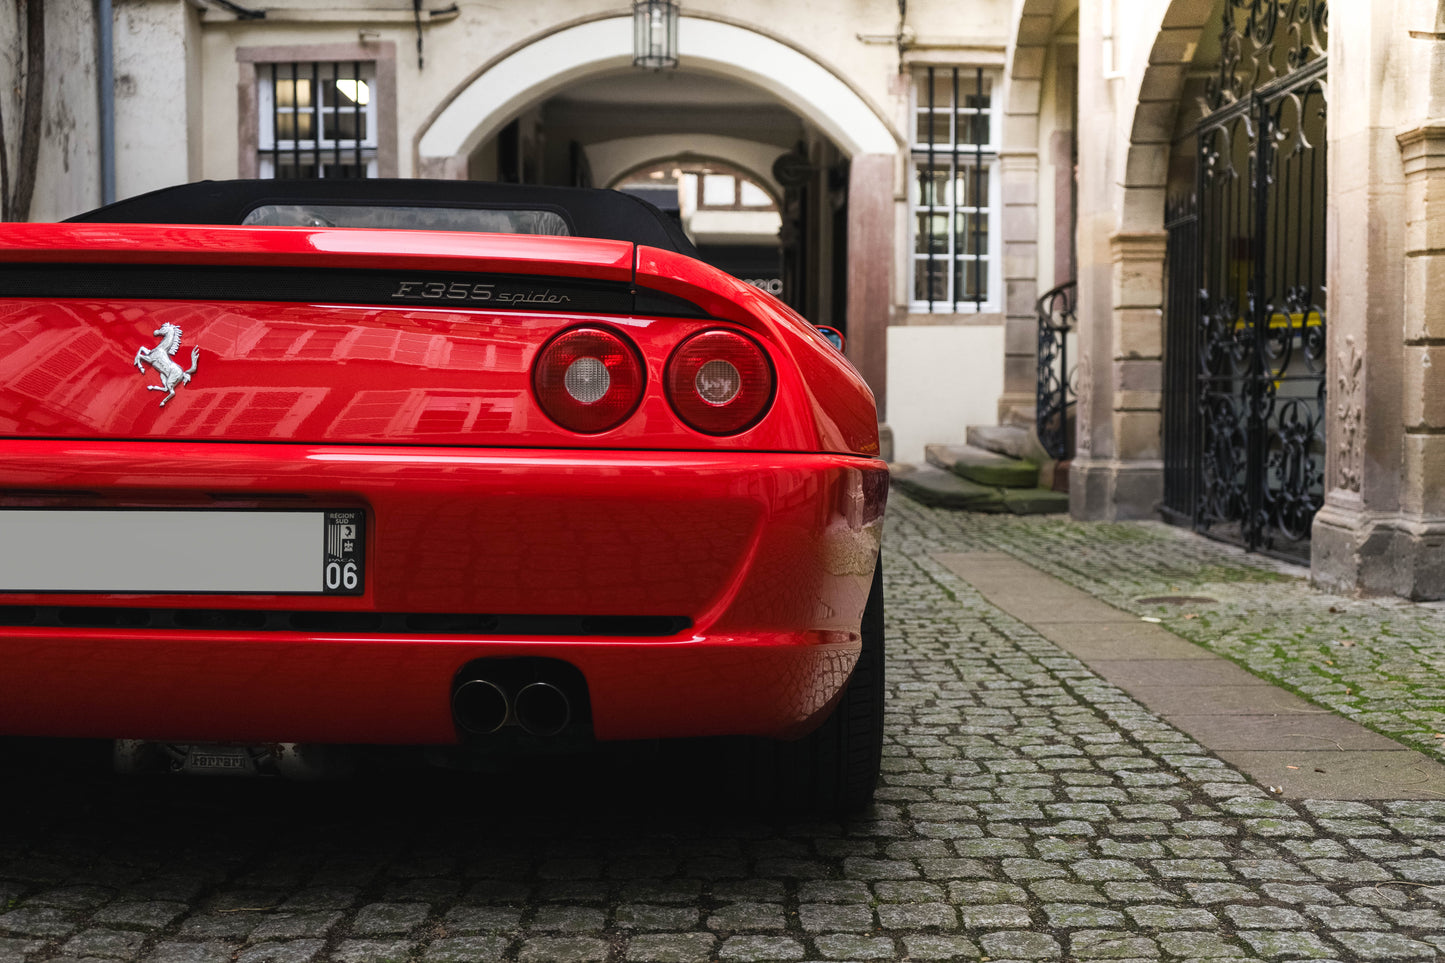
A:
x: 375, y: 623
x: 436, y: 289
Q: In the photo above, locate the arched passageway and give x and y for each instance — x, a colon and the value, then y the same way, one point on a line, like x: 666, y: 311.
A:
x: 568, y: 108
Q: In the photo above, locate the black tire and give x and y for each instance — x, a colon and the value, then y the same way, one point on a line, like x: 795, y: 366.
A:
x: 834, y: 770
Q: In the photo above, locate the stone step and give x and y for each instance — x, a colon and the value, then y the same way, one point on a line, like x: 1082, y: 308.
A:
x: 1011, y: 440
x: 1035, y: 501
x: 943, y: 489
x: 983, y: 466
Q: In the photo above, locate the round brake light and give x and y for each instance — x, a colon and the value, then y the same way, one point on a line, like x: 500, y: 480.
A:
x: 719, y: 382
x: 588, y: 380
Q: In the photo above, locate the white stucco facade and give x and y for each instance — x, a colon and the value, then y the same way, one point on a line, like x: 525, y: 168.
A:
x: 936, y: 392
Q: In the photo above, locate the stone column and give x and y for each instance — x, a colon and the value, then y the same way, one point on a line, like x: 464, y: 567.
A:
x: 1138, y: 372
x: 1382, y: 527
x: 1091, y: 476
x: 1020, y: 173
x: 870, y: 267
x: 1122, y: 473
x: 1422, y: 495
x: 1362, y: 542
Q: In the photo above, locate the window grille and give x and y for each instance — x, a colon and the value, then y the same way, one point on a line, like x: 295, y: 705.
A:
x: 317, y: 119
x: 953, y: 194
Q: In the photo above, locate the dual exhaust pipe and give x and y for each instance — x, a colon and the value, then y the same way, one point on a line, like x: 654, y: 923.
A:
x: 483, y: 706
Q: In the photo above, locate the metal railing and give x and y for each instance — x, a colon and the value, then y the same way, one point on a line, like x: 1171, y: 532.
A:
x: 1055, y: 393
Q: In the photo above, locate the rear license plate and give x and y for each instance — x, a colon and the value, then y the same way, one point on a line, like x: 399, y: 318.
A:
x: 183, y: 552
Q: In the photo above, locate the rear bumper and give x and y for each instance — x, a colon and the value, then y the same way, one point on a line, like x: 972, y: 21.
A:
x: 768, y: 556
x: 221, y: 688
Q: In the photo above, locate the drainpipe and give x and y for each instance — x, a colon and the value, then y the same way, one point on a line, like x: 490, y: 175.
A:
x: 104, y: 25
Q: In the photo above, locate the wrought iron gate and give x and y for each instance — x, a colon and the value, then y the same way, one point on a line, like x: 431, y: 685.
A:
x: 1244, y: 459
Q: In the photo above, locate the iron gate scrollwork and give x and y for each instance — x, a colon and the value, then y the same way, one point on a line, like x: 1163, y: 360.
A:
x: 1256, y: 338
x: 1054, y: 396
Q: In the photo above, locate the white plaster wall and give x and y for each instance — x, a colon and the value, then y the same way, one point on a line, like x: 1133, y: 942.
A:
x: 941, y: 380
x: 152, y: 95
x: 67, y: 177
x: 945, y: 23
x: 220, y: 103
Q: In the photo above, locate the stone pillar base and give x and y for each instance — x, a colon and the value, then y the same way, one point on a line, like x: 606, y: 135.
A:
x: 1365, y: 553
x: 1108, y: 491
x: 1017, y: 408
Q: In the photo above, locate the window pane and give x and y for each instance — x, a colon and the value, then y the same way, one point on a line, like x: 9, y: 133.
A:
x: 942, y: 88
x: 971, y: 280
x: 719, y: 190
x: 931, y: 234
x: 285, y: 170
x: 932, y: 128
x: 971, y: 236
x: 973, y: 128
x: 971, y: 186
x: 343, y: 170
x: 754, y: 196
x: 934, y: 287
x: 289, y: 91
x: 968, y: 91
x: 933, y: 182
x: 286, y: 126
x: 346, y: 126
x: 348, y: 93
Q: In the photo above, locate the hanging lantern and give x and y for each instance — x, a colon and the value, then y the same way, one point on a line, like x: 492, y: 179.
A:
x: 654, y: 34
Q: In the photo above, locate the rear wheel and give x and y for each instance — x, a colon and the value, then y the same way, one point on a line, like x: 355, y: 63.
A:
x: 835, y: 768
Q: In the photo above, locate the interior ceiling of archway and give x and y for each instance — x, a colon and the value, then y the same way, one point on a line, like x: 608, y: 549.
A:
x: 636, y: 103
x: 1066, y: 21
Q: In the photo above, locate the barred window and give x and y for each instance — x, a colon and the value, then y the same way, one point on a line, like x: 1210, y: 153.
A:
x: 955, y: 158
x: 316, y: 119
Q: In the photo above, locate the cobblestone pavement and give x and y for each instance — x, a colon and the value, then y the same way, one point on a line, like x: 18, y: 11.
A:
x: 1028, y: 811
x: 1380, y: 662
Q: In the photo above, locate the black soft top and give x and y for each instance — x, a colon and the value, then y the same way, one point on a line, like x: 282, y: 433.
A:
x: 589, y: 213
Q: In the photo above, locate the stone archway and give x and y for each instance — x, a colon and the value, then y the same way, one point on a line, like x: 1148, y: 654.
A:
x: 1119, y: 473
x: 528, y: 74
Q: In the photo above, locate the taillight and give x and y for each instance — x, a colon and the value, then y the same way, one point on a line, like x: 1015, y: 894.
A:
x: 719, y: 382
x: 588, y: 380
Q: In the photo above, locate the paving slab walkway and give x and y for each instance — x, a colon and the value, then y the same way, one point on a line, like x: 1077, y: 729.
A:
x: 1377, y: 661
x: 1298, y: 749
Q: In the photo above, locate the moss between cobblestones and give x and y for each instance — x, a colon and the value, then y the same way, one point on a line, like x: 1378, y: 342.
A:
x: 1378, y: 662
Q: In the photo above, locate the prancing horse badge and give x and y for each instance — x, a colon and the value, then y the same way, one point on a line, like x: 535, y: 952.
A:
x: 159, y: 358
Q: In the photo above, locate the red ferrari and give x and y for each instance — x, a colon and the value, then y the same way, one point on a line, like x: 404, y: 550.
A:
x: 293, y: 465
